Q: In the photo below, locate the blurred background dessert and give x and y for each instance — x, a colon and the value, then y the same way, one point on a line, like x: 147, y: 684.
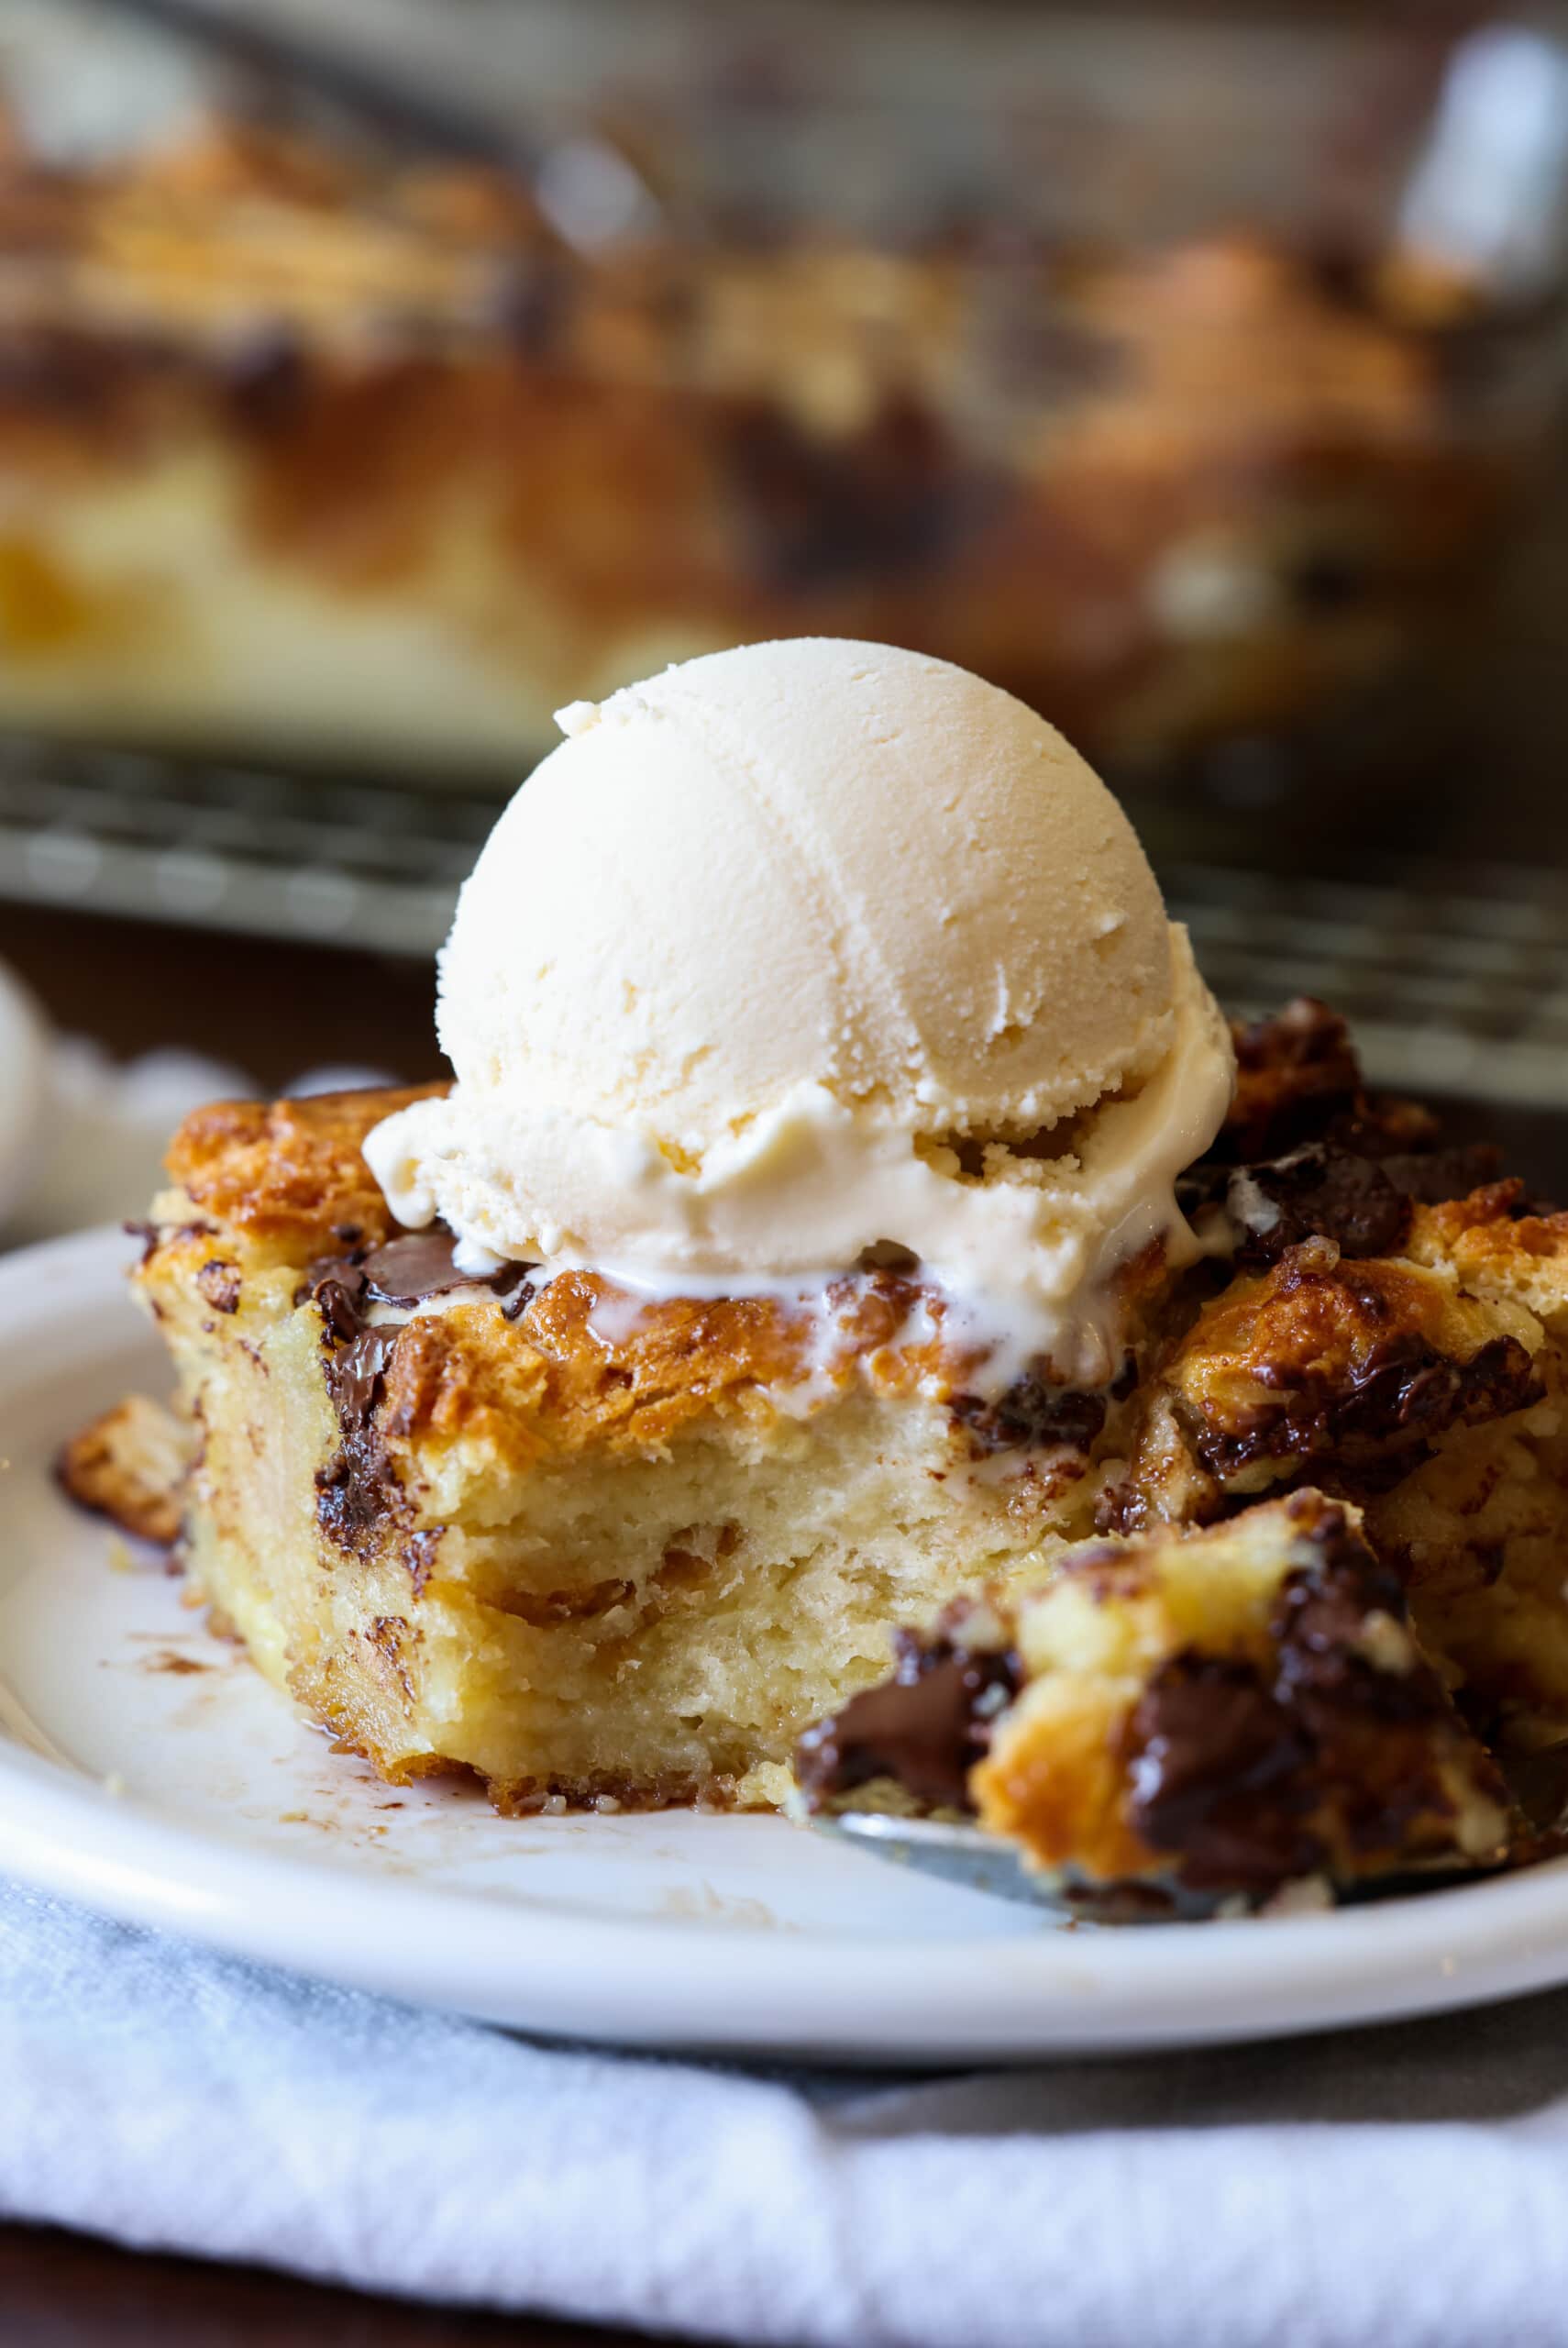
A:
x: 374, y: 384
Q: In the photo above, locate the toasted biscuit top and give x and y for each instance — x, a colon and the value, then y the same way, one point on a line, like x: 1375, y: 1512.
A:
x: 576, y: 1373
x: 288, y: 1176
x: 265, y: 1189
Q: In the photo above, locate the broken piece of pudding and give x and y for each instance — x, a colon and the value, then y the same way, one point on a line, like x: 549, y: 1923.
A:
x: 1216, y: 1713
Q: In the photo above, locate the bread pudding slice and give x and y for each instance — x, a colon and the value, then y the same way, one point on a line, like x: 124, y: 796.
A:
x: 593, y: 1549
x: 1210, y: 1713
x: 590, y: 1550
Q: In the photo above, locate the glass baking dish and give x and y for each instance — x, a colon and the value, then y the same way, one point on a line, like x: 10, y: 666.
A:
x: 1194, y: 376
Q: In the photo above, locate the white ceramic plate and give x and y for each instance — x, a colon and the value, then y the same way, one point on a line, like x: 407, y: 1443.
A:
x: 146, y: 1769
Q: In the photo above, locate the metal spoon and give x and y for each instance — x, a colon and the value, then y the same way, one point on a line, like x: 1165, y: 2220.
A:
x: 955, y: 1853
x: 976, y: 1861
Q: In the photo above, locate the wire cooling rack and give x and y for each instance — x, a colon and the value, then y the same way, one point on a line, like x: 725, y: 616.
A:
x: 1454, y: 978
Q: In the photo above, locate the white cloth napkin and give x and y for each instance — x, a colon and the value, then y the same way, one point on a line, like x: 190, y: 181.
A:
x: 1406, y: 2186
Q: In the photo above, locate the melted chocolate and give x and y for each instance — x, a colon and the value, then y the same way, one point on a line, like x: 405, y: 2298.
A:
x: 1031, y: 1414
x: 926, y: 1728
x: 1400, y: 1386
x: 358, y: 1489
x: 1229, y: 1759
x: 1235, y: 1766
x: 337, y: 1286
x: 1213, y: 1761
x: 354, y: 1375
x: 406, y: 1271
x: 1316, y: 1193
x: 1346, y: 1187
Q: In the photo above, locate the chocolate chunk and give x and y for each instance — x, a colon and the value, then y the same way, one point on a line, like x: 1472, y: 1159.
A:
x: 1230, y: 1758
x: 354, y: 1374
x: 886, y: 1256
x: 826, y: 511
x: 406, y: 1271
x: 1213, y: 1763
x: 1349, y: 1188
x: 926, y: 1728
x: 1319, y: 1622
x: 1299, y: 1086
x: 1432, y: 1176
x: 402, y: 1271
x: 1295, y: 1073
x: 1317, y: 1192
x: 1031, y: 1416
x: 358, y: 1489
x: 219, y: 1283
x: 1388, y: 1382
x: 337, y: 1286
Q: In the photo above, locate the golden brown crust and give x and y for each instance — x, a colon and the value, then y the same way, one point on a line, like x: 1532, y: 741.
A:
x: 549, y: 1386
x: 290, y: 1175
x: 583, y: 1367
x: 130, y: 1465
x: 1353, y: 1367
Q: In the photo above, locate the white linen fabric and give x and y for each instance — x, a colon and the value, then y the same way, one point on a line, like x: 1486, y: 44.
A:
x: 1407, y: 2186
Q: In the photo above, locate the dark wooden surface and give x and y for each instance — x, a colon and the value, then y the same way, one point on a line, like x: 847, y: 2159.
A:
x: 58, y: 2290
x: 272, y: 1009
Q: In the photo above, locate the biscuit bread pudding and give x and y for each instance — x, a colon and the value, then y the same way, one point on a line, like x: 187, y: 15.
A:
x: 849, y: 1204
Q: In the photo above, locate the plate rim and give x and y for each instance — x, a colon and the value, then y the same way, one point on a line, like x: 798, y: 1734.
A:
x: 550, y: 1965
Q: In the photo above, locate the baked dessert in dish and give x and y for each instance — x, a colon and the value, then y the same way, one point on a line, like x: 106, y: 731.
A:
x: 852, y: 1217
x: 308, y: 450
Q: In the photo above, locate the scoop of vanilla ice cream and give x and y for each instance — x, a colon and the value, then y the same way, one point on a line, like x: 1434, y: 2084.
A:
x: 803, y: 946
